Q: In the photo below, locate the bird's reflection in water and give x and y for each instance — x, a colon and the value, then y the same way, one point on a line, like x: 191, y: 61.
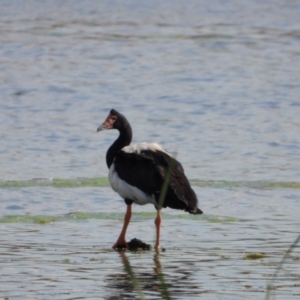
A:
x: 150, y: 280
x: 161, y: 278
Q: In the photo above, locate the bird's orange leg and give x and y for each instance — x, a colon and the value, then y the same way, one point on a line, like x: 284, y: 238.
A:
x: 157, y: 224
x: 121, y: 242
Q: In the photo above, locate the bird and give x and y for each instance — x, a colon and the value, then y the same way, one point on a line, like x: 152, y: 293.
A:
x: 137, y: 172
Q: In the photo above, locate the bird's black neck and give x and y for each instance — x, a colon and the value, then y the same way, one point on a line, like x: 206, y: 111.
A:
x: 123, y: 140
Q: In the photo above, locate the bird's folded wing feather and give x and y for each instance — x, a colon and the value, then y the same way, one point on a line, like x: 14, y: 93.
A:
x: 147, y: 171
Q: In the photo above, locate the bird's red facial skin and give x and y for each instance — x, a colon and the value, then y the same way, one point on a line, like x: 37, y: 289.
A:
x: 109, y: 122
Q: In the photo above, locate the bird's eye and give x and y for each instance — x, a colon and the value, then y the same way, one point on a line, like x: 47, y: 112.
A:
x: 114, y: 118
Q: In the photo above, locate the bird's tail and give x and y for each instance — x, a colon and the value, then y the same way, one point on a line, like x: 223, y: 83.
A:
x: 197, y: 211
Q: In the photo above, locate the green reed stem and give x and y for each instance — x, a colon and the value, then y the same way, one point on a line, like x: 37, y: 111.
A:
x: 166, y: 182
x: 164, y: 288
x: 288, y: 252
x: 132, y: 276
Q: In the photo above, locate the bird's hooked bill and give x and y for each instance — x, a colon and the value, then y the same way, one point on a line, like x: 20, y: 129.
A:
x: 107, y: 124
x: 100, y: 128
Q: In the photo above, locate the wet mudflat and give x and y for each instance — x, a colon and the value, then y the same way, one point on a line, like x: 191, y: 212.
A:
x: 228, y: 253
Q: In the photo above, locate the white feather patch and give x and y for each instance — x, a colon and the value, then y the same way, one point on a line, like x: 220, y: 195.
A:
x: 137, y: 148
x: 128, y: 191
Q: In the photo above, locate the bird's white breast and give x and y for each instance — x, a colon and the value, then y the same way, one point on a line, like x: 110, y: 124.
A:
x: 128, y: 191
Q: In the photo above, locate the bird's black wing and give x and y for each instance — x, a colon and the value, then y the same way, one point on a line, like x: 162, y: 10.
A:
x: 147, y: 171
x: 180, y: 195
x: 139, y: 170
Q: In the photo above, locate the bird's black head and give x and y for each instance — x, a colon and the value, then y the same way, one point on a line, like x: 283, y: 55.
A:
x: 114, y: 120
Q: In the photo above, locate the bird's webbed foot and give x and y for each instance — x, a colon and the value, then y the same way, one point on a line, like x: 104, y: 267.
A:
x: 120, y: 244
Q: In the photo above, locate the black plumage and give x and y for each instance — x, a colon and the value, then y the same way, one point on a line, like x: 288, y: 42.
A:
x: 147, y: 171
x: 137, y: 173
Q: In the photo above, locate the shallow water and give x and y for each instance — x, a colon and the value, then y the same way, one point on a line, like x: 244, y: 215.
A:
x: 217, y: 83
